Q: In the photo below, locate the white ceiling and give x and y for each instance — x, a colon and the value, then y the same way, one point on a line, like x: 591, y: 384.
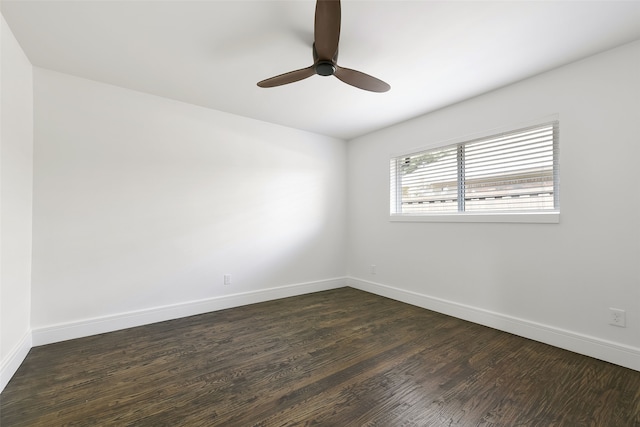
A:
x: 212, y: 53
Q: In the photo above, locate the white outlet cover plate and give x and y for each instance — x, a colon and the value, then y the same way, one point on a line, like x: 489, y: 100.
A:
x: 617, y: 317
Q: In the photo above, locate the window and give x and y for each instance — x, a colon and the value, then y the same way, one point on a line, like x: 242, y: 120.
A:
x: 514, y: 172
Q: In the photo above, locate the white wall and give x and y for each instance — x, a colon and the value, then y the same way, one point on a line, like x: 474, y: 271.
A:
x: 16, y: 166
x: 142, y: 203
x: 552, y: 282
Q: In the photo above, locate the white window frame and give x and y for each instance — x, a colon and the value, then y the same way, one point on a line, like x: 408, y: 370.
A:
x: 546, y: 216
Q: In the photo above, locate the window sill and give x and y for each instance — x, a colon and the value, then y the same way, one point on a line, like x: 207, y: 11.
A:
x: 533, y: 218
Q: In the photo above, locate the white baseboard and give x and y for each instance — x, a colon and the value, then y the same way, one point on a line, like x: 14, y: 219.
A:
x: 87, y: 327
x: 14, y: 359
x: 618, y: 354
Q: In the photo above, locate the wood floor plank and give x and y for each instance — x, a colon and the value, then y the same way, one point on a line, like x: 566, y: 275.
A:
x: 336, y: 358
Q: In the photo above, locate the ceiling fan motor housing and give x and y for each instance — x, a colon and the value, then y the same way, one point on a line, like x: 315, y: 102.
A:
x: 325, y: 68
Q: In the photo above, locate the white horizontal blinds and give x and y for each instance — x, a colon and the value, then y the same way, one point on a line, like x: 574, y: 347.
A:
x: 395, y: 193
x: 512, y: 172
x: 427, y: 182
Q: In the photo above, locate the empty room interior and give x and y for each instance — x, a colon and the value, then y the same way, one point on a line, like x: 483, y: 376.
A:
x: 198, y: 230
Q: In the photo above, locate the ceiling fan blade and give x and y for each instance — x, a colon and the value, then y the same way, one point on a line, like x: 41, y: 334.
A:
x: 327, y: 29
x: 290, y: 77
x: 361, y: 80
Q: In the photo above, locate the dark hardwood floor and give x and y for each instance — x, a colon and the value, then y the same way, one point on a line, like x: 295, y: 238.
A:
x: 335, y: 358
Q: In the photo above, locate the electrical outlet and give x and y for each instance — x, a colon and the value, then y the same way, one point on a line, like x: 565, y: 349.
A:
x: 227, y: 279
x: 617, y: 317
x: 373, y: 269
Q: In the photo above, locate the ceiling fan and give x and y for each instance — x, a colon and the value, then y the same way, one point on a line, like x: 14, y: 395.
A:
x: 325, y: 54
